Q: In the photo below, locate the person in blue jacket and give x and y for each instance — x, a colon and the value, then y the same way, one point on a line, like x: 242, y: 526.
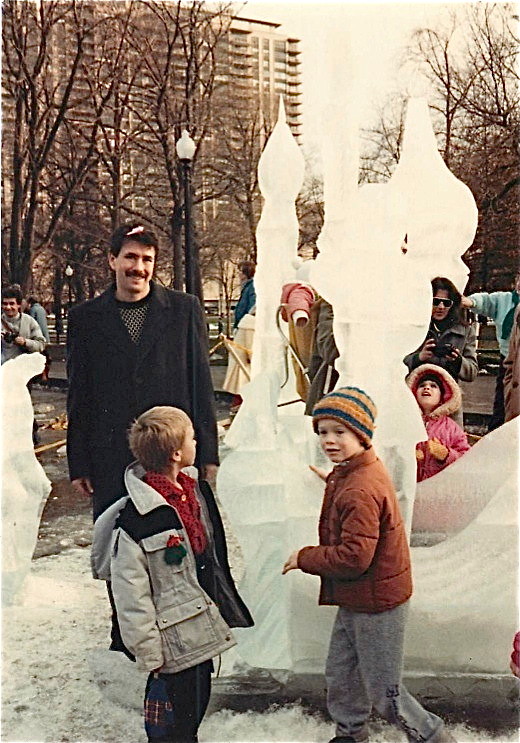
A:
x: 247, y: 298
x: 500, y: 307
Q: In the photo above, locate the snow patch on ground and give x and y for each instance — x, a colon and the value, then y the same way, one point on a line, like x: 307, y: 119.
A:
x: 60, y: 683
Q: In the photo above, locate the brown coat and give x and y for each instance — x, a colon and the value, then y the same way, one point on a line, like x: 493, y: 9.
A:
x: 363, y: 558
x: 512, y: 371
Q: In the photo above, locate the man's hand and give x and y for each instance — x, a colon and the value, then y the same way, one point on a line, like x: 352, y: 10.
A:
x: 209, y: 473
x: 467, y: 302
x: 19, y: 340
x: 322, y: 474
x: 291, y: 563
x: 83, y: 486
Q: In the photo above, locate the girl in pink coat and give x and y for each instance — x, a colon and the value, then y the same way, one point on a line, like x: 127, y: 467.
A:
x: 438, y: 396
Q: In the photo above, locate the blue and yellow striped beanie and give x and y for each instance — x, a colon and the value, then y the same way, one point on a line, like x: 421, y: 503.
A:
x: 350, y: 406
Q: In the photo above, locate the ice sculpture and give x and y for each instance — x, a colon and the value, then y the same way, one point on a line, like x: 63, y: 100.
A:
x: 280, y: 177
x: 25, y: 486
x: 382, y: 303
x: 271, y: 445
x: 382, y: 308
x: 464, y: 612
x: 441, y: 211
x: 450, y: 500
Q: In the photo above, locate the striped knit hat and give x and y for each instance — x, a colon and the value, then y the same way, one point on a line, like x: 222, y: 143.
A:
x: 350, y: 406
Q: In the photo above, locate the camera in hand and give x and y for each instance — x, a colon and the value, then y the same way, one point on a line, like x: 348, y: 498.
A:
x: 442, y: 349
x: 9, y: 337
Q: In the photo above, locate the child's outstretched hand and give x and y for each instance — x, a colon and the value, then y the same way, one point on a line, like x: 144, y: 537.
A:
x: 319, y: 471
x: 291, y: 563
x: 438, y: 450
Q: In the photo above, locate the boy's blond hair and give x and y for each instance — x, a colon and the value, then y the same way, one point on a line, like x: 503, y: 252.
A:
x: 156, y: 434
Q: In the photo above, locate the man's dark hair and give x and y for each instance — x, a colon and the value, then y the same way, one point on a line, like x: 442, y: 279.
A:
x: 134, y: 232
x: 31, y: 300
x: 12, y: 292
x: 248, y: 268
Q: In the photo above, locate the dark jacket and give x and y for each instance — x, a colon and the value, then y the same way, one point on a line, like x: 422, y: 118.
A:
x: 464, y: 339
x: 112, y: 381
x: 363, y: 558
x: 322, y: 374
x: 246, y: 302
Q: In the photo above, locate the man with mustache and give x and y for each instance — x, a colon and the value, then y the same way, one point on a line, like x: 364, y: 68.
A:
x: 136, y: 346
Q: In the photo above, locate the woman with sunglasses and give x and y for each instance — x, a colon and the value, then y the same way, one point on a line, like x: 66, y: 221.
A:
x: 450, y: 342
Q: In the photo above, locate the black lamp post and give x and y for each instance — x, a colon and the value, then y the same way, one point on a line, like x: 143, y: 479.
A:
x: 68, y: 273
x: 185, y: 151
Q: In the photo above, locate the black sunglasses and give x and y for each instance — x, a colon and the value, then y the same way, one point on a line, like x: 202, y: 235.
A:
x: 437, y: 301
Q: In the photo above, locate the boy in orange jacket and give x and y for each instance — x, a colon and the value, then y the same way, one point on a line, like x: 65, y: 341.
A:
x: 364, y: 564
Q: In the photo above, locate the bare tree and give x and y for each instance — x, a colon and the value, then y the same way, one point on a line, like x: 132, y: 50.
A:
x: 475, y: 113
x: 42, y: 99
x: 177, y: 44
x: 382, y: 143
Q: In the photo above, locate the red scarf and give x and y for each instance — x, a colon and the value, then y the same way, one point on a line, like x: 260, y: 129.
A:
x: 185, y: 502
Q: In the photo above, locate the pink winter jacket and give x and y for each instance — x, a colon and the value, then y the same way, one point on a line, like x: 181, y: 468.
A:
x: 438, y: 423
x: 296, y: 296
x: 448, y: 433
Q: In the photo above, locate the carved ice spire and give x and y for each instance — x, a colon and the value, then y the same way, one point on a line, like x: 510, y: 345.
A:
x: 280, y: 177
x: 442, y: 214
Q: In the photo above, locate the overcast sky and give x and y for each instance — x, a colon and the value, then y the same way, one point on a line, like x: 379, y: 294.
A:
x: 375, y: 32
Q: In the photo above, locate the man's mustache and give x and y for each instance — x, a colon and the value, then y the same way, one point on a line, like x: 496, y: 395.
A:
x: 137, y: 274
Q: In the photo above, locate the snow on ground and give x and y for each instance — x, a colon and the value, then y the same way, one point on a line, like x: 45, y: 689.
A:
x: 61, y: 684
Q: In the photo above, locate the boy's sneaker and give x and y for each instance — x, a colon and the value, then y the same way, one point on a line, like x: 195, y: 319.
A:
x: 346, y: 739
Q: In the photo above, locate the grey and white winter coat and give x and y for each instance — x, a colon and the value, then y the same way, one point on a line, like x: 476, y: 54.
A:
x: 26, y: 327
x: 166, y: 619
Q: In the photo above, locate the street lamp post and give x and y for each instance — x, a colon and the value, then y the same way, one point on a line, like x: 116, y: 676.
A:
x: 185, y: 148
x: 68, y: 273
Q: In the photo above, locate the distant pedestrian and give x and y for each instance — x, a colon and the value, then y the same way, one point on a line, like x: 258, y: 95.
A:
x: 310, y: 320
x: 438, y: 396
x: 499, y: 307
x: 512, y: 372
x: 363, y: 561
x: 247, y: 298
x: 514, y: 663
x: 20, y: 332
x: 36, y: 311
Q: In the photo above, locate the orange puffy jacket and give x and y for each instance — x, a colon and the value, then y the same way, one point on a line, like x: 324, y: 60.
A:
x: 363, y: 557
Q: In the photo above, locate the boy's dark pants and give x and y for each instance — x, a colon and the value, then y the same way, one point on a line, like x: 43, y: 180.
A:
x: 364, y: 668
x: 188, y: 692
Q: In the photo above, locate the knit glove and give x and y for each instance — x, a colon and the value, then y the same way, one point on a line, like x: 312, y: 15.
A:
x: 419, y: 454
x: 437, y: 450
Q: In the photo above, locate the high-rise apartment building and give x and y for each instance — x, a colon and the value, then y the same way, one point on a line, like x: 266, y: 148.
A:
x: 267, y: 63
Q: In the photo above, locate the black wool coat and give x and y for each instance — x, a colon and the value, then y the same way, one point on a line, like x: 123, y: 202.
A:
x: 112, y: 381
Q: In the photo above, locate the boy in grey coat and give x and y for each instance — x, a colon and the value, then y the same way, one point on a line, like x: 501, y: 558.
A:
x: 172, y: 588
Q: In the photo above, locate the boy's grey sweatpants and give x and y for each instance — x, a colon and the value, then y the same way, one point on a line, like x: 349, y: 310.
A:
x: 364, y: 668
